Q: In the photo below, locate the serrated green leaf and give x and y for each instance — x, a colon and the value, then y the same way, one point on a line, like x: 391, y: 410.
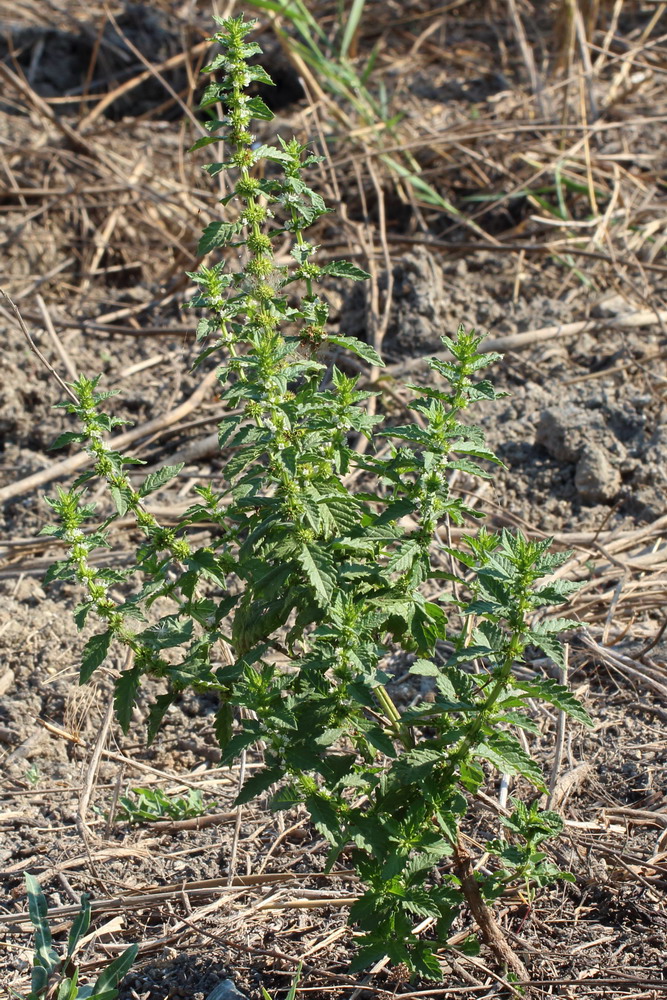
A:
x: 234, y: 746
x: 425, y: 962
x: 470, y: 448
x: 403, y: 557
x: 94, y: 653
x: 396, y: 510
x: 555, y: 694
x: 257, y: 784
x: 549, y: 644
x: 205, y: 140
x: 470, y: 946
x: 211, y: 95
x: 420, y: 903
x: 324, y: 816
x: 50, y: 529
x: 381, y: 740
x: 557, y: 625
x: 81, y: 613
x: 216, y: 234
x: 272, y: 153
x: 121, y: 497
x: 345, y: 269
x: 368, y: 955
x: 425, y: 668
x: 358, y: 347
x: 157, y: 713
x: 243, y: 457
x: 509, y: 757
x: 409, y: 432
x: 469, y: 467
x: 125, y: 693
x: 519, y: 719
x: 224, y: 721
x: 285, y: 797
x: 259, y: 75
x: 155, y: 480
x: 258, y: 109
x: 319, y: 569
x: 67, y: 438
x: 255, y: 620
x: 344, y: 511
x: 61, y: 569
x: 168, y: 632
x: 555, y: 592
x: 227, y: 427
x: 471, y: 775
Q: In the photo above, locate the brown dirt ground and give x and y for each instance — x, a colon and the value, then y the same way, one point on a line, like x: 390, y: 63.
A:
x: 101, y: 219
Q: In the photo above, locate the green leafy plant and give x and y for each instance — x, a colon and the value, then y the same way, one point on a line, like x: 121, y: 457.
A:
x: 152, y: 804
x: 327, y: 560
x: 521, y: 859
x: 56, y: 976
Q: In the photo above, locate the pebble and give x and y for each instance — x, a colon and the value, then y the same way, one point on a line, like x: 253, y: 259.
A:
x: 226, y: 990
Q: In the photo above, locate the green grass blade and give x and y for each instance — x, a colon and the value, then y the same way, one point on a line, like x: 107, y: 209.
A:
x: 353, y: 21
x: 370, y: 65
x: 562, y: 206
x: 297, y: 978
x: 297, y: 14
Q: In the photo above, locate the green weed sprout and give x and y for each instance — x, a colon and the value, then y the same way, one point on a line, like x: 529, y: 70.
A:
x: 58, y: 977
x: 325, y: 561
x: 293, y: 988
x: 152, y: 804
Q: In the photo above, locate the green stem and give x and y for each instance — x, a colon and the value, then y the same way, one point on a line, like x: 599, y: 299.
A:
x: 514, y: 650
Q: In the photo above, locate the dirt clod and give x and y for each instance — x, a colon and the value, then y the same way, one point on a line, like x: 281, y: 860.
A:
x: 596, y: 480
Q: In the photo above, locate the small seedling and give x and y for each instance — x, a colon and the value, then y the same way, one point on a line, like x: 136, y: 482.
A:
x: 33, y: 774
x: 520, y: 858
x: 153, y: 804
x: 57, y: 978
x: 293, y: 988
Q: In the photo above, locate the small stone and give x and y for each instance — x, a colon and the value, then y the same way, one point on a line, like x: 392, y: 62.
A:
x: 7, y: 678
x: 612, y: 305
x: 595, y: 479
x: 226, y: 990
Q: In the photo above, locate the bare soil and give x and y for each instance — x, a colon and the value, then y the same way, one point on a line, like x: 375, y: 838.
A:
x: 101, y: 219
